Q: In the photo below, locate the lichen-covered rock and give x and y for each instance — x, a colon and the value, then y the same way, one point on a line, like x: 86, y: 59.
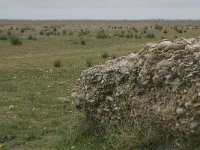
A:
x: 160, y: 84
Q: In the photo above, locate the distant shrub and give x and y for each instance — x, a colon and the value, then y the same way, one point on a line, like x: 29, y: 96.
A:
x: 158, y: 27
x: 105, y: 55
x: 3, y: 37
x: 162, y: 37
x: 101, y: 34
x: 9, y: 33
x: 83, y: 33
x: 15, y: 40
x: 165, y: 32
x: 54, y: 29
x: 70, y: 33
x: 129, y: 35
x: 177, y: 29
x: 57, y: 63
x: 150, y: 35
x: 30, y: 37
x: 64, y: 32
x: 113, y: 56
x: 41, y: 33
x: 88, y: 63
x: 83, y: 42
x: 22, y: 30
x: 137, y: 36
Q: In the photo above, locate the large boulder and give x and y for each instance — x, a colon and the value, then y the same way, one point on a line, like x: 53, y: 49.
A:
x: 160, y: 84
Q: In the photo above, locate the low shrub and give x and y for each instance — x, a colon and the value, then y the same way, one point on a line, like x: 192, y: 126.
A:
x: 3, y: 37
x: 150, y: 35
x: 57, y: 63
x: 101, y: 35
x: 88, y: 63
x: 105, y: 55
x: 15, y: 40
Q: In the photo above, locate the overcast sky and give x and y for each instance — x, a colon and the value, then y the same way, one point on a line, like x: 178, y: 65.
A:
x: 99, y: 9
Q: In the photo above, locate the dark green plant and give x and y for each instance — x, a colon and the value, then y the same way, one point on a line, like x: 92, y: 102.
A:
x: 105, y: 55
x: 41, y: 33
x: 57, y: 63
x: 101, y: 34
x: 83, y: 42
x: 3, y: 37
x: 15, y: 40
x: 150, y: 35
x: 88, y: 62
x: 30, y: 37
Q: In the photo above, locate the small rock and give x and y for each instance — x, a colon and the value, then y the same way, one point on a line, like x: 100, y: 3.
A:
x: 156, y: 79
x: 194, y: 98
x: 180, y: 111
x: 11, y: 107
x: 193, y: 125
x: 64, y: 100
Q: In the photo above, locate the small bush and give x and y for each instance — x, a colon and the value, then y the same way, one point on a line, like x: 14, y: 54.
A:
x: 3, y: 37
x: 113, y: 56
x: 22, y: 30
x: 57, y: 63
x: 9, y: 33
x: 158, y: 27
x: 54, y: 29
x: 150, y: 35
x: 41, y: 33
x: 15, y: 40
x: 129, y: 35
x: 101, y: 35
x: 83, y: 42
x: 64, y: 32
x: 165, y: 32
x: 105, y: 55
x: 88, y: 63
x: 137, y: 36
x: 70, y: 33
x: 30, y: 37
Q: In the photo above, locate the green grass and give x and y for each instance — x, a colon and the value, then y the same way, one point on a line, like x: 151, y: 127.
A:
x: 30, y: 82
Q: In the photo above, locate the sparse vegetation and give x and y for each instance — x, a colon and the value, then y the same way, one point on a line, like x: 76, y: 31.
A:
x: 83, y: 42
x: 15, y: 40
x: 57, y: 63
x: 150, y: 35
x: 101, y: 34
x: 105, y: 55
x: 88, y: 62
x: 31, y: 115
x: 3, y: 37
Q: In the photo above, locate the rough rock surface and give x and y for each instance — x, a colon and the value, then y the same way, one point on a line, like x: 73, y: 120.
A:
x: 159, y: 84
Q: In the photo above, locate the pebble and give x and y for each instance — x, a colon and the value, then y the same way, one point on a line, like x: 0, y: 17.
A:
x: 11, y: 107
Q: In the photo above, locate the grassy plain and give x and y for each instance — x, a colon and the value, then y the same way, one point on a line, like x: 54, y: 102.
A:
x: 32, y: 116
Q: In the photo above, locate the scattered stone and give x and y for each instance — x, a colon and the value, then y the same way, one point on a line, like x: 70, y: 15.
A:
x: 193, y: 125
x: 159, y: 85
x: 11, y: 107
x: 64, y: 99
x: 180, y: 111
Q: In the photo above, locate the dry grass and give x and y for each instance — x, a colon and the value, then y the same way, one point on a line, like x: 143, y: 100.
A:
x: 31, y: 117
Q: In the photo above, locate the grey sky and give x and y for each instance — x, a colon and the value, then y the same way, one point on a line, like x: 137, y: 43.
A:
x: 99, y: 9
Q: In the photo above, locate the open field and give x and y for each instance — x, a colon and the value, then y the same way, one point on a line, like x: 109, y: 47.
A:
x: 39, y: 67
